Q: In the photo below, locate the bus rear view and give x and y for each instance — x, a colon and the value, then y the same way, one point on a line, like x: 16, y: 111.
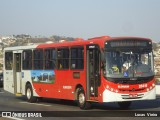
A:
x: 128, y: 71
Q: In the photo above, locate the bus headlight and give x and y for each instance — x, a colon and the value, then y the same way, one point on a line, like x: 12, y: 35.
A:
x: 153, y: 84
x: 116, y: 91
x: 150, y: 87
x: 107, y: 86
x: 112, y: 89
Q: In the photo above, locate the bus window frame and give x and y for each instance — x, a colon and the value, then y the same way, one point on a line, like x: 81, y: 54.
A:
x: 62, y: 58
x: 10, y: 61
x: 76, y: 59
x: 42, y: 60
x: 28, y: 60
x: 54, y: 62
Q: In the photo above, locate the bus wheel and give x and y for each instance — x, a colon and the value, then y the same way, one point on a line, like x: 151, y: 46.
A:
x: 124, y: 105
x: 83, y: 104
x: 29, y: 94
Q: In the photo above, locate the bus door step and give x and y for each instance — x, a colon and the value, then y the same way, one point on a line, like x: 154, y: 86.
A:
x: 92, y: 100
x: 18, y: 94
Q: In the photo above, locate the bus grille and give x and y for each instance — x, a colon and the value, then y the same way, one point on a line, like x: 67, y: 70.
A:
x: 135, y: 90
x: 132, y: 96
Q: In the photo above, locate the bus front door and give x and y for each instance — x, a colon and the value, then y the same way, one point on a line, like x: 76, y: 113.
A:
x: 17, y: 73
x: 93, y: 71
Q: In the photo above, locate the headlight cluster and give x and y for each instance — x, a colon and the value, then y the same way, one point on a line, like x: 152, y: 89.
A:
x: 116, y: 90
x: 150, y: 87
x: 111, y: 89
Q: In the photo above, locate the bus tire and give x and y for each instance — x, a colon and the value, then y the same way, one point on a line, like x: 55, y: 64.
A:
x: 81, y: 98
x: 29, y: 94
x: 124, y: 105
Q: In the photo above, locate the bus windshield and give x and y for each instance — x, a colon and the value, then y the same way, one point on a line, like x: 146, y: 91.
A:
x: 121, y: 64
x: 128, y: 64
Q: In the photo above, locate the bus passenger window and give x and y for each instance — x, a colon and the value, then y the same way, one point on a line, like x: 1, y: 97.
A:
x: 8, y: 60
x: 38, y: 59
x: 50, y: 59
x: 27, y: 60
x: 63, y: 58
x: 77, y: 58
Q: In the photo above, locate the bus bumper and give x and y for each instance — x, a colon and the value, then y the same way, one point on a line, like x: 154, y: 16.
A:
x: 109, y: 96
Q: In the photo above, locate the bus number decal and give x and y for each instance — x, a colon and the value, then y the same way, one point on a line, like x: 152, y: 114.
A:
x: 67, y: 87
x: 143, y: 85
x: 92, y: 46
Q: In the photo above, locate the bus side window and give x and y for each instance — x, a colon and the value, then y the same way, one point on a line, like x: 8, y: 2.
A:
x: 27, y: 59
x: 38, y: 59
x: 8, y: 60
x: 50, y: 59
x: 77, y: 58
x: 63, y: 58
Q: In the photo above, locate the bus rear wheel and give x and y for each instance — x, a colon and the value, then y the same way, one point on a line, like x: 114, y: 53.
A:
x: 29, y: 94
x: 83, y: 104
x: 124, y: 105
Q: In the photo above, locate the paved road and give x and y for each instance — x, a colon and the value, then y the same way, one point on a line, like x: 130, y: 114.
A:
x: 60, y: 108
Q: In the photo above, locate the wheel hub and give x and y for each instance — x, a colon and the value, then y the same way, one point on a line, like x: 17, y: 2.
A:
x: 28, y: 93
x: 81, y: 98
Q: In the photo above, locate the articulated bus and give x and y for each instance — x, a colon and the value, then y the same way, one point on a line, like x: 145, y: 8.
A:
x: 100, y: 69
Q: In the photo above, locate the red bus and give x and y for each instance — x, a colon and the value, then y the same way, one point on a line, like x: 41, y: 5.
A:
x: 101, y: 69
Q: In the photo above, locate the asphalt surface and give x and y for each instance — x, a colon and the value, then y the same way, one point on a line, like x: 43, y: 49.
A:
x: 64, y: 109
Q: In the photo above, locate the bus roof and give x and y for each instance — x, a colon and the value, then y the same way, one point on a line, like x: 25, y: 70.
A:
x: 20, y: 47
x: 96, y: 40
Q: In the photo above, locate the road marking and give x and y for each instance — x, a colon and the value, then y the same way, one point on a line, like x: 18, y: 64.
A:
x: 35, y: 104
x: 14, y: 118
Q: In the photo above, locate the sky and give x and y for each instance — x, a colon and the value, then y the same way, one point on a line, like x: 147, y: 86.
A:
x: 81, y: 18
